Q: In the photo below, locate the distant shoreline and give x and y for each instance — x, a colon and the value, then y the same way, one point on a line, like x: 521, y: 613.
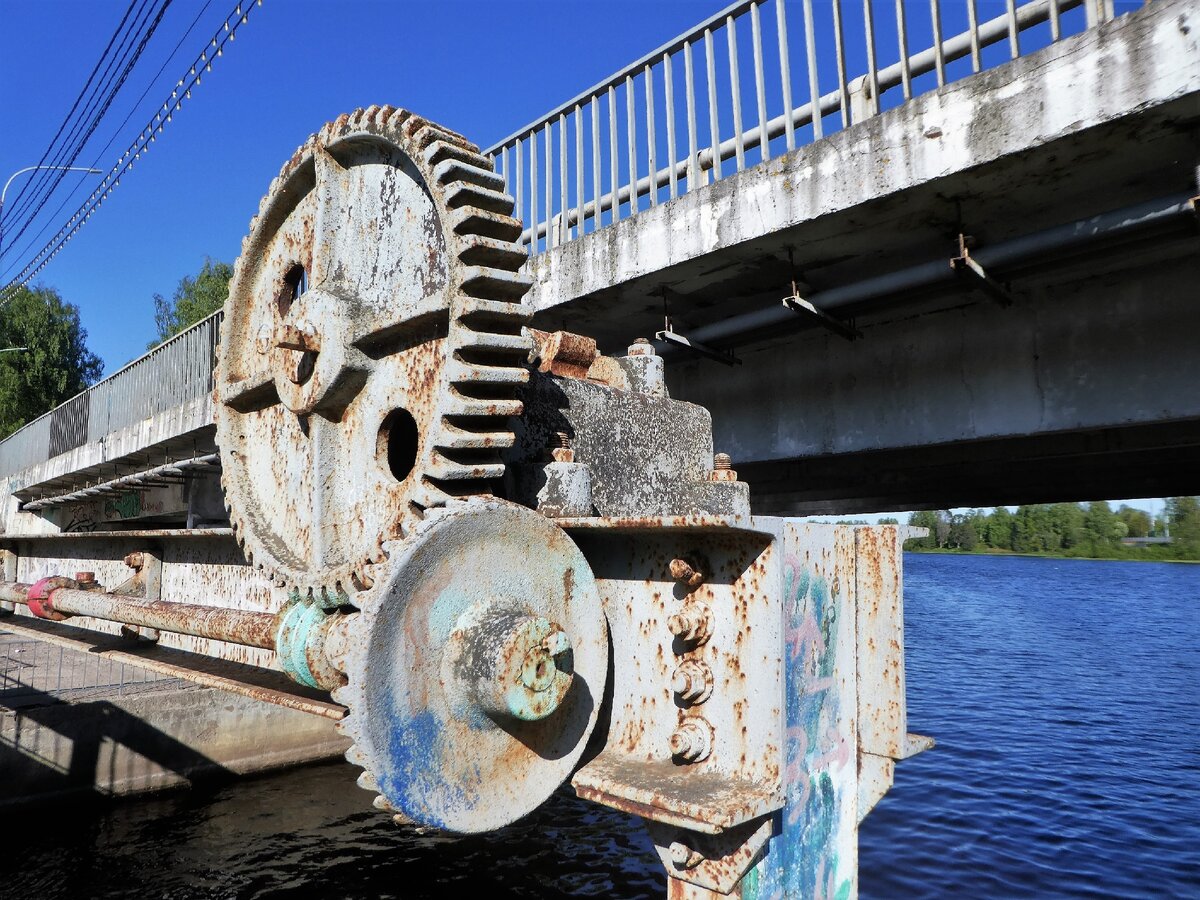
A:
x: 941, y: 551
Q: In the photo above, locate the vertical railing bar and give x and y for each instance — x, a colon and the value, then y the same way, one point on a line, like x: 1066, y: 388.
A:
x: 1014, y: 41
x: 669, y: 107
x: 597, y: 196
x: 935, y: 13
x: 760, y: 87
x: 613, y: 160
x: 651, y: 162
x: 504, y: 168
x: 840, y: 47
x: 735, y: 87
x: 872, y: 68
x: 1055, y: 29
x: 579, y: 192
x: 534, y: 224
x: 785, y: 74
x: 814, y: 89
x: 564, y: 197
x: 549, y: 134
x: 973, y: 21
x: 902, y: 37
x: 714, y: 127
x: 689, y: 78
x: 520, y: 210
x: 631, y: 144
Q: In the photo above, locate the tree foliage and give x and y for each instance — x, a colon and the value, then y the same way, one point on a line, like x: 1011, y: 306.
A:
x: 1064, y: 529
x: 195, y: 298
x: 57, y: 365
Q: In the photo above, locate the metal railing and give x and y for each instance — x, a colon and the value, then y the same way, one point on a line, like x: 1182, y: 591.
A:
x: 175, y: 372
x: 580, y: 168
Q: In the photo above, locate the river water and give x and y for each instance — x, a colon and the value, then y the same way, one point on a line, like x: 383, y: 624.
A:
x: 1064, y: 694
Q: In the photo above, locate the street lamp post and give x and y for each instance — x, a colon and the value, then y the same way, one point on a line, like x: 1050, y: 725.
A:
x: 4, y: 192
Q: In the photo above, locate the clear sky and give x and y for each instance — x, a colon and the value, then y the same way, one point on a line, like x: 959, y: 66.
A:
x: 484, y: 69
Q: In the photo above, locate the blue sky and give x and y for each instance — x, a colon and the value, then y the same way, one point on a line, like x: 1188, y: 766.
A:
x: 484, y: 69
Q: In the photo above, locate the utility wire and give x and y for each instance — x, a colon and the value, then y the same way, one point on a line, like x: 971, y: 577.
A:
x: 35, y: 186
x: 75, y: 105
x: 183, y: 91
x: 129, y: 115
x: 130, y: 62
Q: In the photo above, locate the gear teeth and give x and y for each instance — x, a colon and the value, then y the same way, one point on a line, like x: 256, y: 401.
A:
x: 488, y: 283
x: 464, y: 193
x: 451, y: 170
x: 475, y: 308
x: 438, y: 151
x: 493, y: 253
x: 464, y: 373
x: 459, y: 404
x: 469, y: 220
x: 497, y: 343
x: 367, y: 781
x: 453, y: 438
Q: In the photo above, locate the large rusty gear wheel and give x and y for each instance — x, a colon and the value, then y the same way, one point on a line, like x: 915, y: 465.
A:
x: 372, y: 347
x: 476, y: 670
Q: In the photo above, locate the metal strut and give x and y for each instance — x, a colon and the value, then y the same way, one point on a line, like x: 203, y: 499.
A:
x: 799, y: 305
x: 670, y: 336
x: 968, y: 268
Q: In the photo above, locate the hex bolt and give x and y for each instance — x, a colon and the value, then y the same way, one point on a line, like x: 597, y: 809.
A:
x: 684, y: 857
x: 687, y: 572
x: 722, y: 469
x: 692, y: 740
x: 135, y: 560
x: 560, y: 447
x: 85, y: 578
x: 692, y: 681
x: 692, y: 624
x: 641, y: 347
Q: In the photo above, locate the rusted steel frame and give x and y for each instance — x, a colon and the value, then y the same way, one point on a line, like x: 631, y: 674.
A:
x: 248, y: 628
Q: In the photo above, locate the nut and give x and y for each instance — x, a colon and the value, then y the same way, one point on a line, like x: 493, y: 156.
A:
x: 692, y: 740
x: 684, y: 857
x: 692, y: 681
x: 556, y: 643
x: 135, y: 560
x: 687, y: 572
x: 722, y: 469
x: 641, y: 347
x: 692, y: 624
x: 85, y: 578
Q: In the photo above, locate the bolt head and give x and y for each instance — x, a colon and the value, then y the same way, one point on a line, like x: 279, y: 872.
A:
x: 641, y: 347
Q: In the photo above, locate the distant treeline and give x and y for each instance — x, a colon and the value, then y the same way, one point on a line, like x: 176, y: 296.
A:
x: 1065, y: 529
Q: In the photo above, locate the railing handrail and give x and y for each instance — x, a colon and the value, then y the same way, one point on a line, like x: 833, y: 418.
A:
x: 676, y: 43
x: 857, y: 96
x: 107, y: 378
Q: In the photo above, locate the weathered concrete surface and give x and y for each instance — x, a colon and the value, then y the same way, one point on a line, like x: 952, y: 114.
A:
x: 1098, y: 121
x: 1082, y: 388
x: 81, y: 739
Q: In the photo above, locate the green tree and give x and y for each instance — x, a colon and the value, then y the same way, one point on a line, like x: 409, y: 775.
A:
x: 998, y: 532
x: 57, y: 365
x: 1137, y: 521
x: 194, y: 299
x: 1183, y: 513
x: 962, y: 532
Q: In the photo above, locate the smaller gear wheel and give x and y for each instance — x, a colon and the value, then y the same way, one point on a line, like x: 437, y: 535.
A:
x: 476, y: 673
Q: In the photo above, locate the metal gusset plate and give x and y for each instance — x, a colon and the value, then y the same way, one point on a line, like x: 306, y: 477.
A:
x: 371, y: 348
x: 477, y: 671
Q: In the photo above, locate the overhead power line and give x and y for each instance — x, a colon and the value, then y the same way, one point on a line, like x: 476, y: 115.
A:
x: 49, y: 220
x: 99, y: 107
x: 182, y: 91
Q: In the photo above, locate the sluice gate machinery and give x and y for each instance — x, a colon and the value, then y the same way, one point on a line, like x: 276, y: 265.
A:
x: 501, y: 559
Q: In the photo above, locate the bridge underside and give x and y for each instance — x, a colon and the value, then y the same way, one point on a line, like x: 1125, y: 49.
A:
x: 1075, y: 380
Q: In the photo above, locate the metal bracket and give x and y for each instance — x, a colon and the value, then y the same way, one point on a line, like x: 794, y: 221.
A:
x: 968, y: 268
x: 671, y: 336
x: 798, y: 304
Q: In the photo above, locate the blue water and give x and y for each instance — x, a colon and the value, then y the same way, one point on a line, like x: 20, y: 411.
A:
x: 1065, y: 697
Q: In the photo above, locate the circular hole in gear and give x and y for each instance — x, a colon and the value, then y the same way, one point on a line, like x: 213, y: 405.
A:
x: 295, y: 283
x: 398, y: 442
